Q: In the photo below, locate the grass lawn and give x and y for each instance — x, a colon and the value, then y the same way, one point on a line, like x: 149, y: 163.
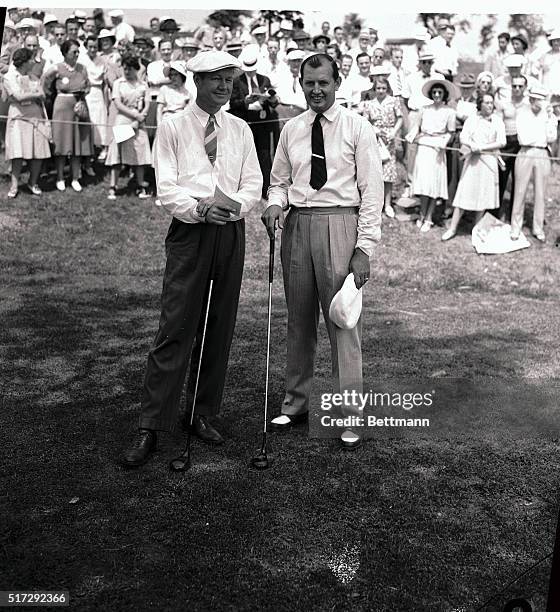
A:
x: 425, y: 523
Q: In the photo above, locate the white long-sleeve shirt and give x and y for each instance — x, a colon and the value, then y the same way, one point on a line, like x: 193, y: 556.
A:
x: 184, y: 173
x: 535, y: 130
x: 354, y: 174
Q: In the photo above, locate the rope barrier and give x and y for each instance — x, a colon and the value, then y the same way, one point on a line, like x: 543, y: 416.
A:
x: 281, y: 120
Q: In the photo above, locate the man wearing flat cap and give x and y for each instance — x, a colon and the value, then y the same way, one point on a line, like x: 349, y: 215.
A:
x: 195, y: 152
x: 327, y: 172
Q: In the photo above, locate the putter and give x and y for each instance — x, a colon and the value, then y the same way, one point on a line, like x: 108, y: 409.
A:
x: 183, y: 462
x: 261, y: 460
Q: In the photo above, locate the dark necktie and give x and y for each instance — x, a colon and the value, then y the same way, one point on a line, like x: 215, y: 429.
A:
x: 211, y: 139
x: 318, y: 162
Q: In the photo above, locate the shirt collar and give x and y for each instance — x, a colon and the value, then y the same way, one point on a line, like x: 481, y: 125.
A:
x: 329, y: 115
x: 202, y: 116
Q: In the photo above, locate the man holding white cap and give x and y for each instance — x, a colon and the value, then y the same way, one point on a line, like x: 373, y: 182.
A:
x: 327, y: 171
x: 536, y: 130
x: 121, y: 30
x: 194, y: 152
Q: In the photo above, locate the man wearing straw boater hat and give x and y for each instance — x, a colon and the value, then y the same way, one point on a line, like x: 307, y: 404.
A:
x: 327, y: 171
x: 254, y: 101
x: 196, y: 152
x: 536, y: 130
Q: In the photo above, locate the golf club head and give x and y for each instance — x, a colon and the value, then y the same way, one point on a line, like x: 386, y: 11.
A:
x: 261, y: 461
x: 181, y: 463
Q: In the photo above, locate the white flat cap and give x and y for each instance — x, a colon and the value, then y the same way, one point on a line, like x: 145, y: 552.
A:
x: 49, y: 18
x: 26, y: 22
x: 116, y: 13
x: 295, y: 54
x: 259, y: 30
x: 538, y: 92
x: 380, y: 71
x: 176, y: 65
x: 210, y: 61
x: 286, y: 24
x: 346, y: 305
x: 514, y: 61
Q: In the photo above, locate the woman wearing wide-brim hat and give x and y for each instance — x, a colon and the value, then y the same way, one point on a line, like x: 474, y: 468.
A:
x: 432, y: 132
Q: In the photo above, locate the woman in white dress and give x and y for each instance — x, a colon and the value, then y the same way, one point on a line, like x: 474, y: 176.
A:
x: 27, y: 134
x: 478, y: 189
x: 96, y: 67
x: 432, y: 132
x: 131, y: 97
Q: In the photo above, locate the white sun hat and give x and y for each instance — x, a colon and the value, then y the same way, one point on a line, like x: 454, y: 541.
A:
x: 346, y: 305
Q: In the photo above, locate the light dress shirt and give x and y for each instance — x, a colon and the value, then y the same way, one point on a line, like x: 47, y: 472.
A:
x: 358, y: 83
x: 535, y: 130
x: 52, y: 55
x: 289, y: 90
x: 397, y: 80
x: 155, y: 76
x: 354, y: 174
x: 184, y: 173
x: 446, y: 56
x: 274, y: 71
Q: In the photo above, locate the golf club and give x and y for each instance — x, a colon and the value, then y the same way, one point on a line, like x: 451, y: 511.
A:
x: 261, y: 461
x: 183, y: 462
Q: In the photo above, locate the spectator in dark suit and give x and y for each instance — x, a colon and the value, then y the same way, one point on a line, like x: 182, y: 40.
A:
x: 253, y: 100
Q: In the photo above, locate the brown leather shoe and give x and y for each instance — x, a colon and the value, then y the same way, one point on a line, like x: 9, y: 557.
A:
x: 139, y: 451
x: 203, y: 430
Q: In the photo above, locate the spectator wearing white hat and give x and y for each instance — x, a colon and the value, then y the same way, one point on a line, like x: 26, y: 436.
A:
x: 47, y: 39
x: 536, y: 130
x: 284, y: 35
x: 174, y: 96
x: 254, y: 101
x: 432, y: 133
x: 507, y: 111
x: 121, y: 29
x: 259, y: 33
x: 196, y: 151
x: 415, y: 99
x: 548, y: 68
x: 502, y: 85
x: 290, y: 93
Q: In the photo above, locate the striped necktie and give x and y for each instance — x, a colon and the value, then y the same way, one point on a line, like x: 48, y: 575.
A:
x: 211, y: 139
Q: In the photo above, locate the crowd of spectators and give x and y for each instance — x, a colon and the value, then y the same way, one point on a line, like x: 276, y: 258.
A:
x: 91, y: 91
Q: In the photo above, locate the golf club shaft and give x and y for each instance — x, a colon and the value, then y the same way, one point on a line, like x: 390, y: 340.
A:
x: 270, y: 281
x: 213, y: 264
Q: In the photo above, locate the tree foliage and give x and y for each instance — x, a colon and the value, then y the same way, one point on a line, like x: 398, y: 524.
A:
x: 228, y: 19
x: 530, y: 24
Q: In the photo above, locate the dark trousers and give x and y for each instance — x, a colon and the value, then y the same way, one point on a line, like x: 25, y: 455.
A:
x: 512, y: 146
x: 190, y: 248
x: 266, y: 138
